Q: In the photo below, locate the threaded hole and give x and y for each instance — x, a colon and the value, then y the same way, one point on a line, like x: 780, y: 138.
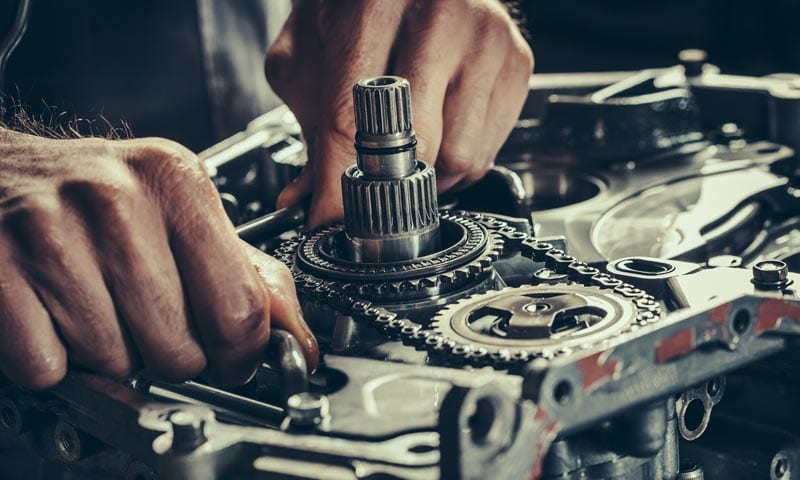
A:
x: 563, y: 392
x: 66, y: 443
x: 781, y: 467
x: 741, y: 321
x: 9, y: 418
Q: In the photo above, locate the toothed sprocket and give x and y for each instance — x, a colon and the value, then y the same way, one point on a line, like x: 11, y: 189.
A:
x: 519, y: 323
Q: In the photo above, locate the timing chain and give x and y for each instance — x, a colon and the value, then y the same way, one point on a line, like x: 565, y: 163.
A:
x: 445, y: 350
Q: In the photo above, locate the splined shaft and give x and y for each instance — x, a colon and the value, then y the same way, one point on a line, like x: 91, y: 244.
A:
x: 390, y: 206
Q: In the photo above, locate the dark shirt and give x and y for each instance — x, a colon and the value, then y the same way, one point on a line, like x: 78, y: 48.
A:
x: 190, y: 70
x: 742, y: 36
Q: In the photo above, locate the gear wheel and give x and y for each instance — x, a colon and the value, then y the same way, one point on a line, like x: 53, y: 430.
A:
x: 472, y: 248
x: 519, y: 323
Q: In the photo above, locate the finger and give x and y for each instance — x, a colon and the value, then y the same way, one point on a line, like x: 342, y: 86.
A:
x: 421, y: 59
x: 291, y: 65
x: 468, y: 180
x: 228, y: 302
x: 508, y: 97
x: 141, y: 275
x: 31, y: 353
x: 297, y: 191
x: 56, y: 253
x: 334, y: 154
x: 301, y: 187
x: 463, y: 152
x: 285, y: 311
x: 362, y: 49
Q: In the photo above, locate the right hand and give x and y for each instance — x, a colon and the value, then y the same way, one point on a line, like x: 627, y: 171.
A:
x: 118, y: 254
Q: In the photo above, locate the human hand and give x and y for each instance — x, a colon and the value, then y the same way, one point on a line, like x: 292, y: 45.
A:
x: 466, y: 60
x: 116, y: 254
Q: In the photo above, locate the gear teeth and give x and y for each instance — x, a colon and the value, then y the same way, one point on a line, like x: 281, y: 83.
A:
x: 438, y: 338
x: 440, y: 325
x: 385, y: 110
x: 375, y: 208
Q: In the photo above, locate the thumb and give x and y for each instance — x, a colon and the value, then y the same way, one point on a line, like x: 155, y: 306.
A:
x: 300, y: 188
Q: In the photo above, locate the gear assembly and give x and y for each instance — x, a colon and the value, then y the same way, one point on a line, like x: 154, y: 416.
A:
x: 488, y: 335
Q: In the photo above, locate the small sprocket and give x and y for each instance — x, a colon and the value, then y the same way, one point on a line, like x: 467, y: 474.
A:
x: 519, y: 323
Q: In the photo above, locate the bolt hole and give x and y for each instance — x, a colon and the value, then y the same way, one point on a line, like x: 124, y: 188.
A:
x: 422, y: 449
x: 741, y: 321
x: 9, y: 417
x: 781, y: 468
x: 381, y: 81
x: 694, y: 415
x: 481, y: 422
x: 66, y: 442
x: 769, y: 149
x: 563, y: 392
x: 713, y: 386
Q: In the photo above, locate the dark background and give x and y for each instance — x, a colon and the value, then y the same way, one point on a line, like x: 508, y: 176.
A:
x: 742, y: 37
x: 139, y: 61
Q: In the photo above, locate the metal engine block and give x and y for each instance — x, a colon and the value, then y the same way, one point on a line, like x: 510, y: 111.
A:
x: 615, y: 300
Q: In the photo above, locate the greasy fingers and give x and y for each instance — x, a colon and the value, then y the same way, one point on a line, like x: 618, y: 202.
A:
x: 466, y: 60
x: 118, y: 255
x: 285, y: 310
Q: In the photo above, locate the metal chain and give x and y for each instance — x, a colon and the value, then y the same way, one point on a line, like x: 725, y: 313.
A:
x: 448, y: 351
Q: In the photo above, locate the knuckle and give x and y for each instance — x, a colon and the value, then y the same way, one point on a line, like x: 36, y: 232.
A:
x: 113, y: 198
x: 43, y: 372
x: 162, y: 157
x: 278, y: 66
x: 523, y: 58
x: 178, y: 361
x: 33, y: 220
x: 495, y: 23
x: 245, y: 328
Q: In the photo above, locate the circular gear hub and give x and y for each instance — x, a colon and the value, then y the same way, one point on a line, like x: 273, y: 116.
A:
x: 468, y: 251
x: 535, y: 320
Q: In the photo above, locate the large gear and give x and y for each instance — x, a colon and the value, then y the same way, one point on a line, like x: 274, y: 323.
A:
x: 470, y: 246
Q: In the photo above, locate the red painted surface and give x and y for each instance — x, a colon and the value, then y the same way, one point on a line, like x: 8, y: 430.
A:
x: 677, y: 345
x: 548, y: 433
x: 772, y: 311
x: 596, y: 369
x: 720, y: 314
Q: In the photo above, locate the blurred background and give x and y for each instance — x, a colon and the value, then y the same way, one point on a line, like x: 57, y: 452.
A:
x: 191, y: 70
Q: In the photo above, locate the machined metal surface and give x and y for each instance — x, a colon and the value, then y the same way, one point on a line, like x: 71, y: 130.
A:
x: 390, y: 201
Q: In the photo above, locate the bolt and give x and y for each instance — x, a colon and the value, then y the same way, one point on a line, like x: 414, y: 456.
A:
x: 307, y: 409
x: 693, y: 61
x: 725, y: 261
x: 690, y: 471
x: 188, y: 431
x: 771, y: 274
x: 781, y: 467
